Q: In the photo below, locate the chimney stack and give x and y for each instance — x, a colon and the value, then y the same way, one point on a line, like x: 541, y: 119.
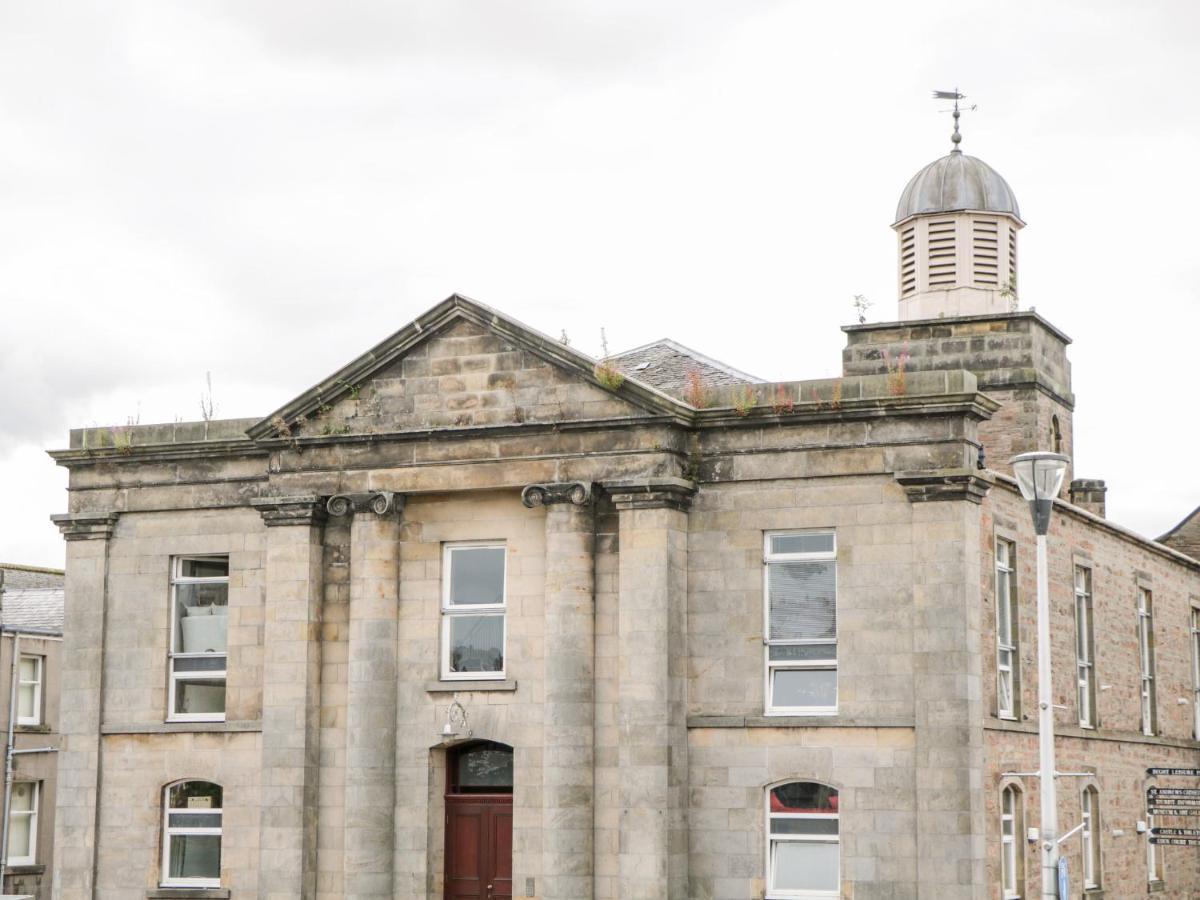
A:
x: 1088, y: 493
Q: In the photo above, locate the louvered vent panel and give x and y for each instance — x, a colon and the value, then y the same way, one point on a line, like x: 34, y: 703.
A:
x: 1012, y: 256
x: 908, y: 261
x: 985, y: 251
x: 942, y: 254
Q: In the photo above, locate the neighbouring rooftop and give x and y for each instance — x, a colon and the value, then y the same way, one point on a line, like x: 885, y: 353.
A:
x: 666, y: 365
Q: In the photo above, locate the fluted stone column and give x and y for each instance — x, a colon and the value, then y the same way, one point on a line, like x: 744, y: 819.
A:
x: 88, y: 539
x: 371, y: 690
x: 287, y: 866
x: 568, y: 754
x: 651, y: 714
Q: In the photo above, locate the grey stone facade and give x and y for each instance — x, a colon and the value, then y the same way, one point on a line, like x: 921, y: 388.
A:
x: 634, y: 690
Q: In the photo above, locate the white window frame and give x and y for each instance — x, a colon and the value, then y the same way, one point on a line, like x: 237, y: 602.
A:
x: 1145, y: 612
x: 773, y: 666
x: 1010, y: 841
x: 1089, y: 806
x: 772, y: 840
x: 170, y: 832
x: 1007, y: 654
x: 174, y: 677
x: 1196, y: 672
x: 1155, y: 873
x: 40, y: 664
x: 479, y: 609
x: 32, y: 815
x: 1085, y: 648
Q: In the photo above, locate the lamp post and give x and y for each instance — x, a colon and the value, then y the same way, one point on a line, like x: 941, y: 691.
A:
x: 1040, y: 477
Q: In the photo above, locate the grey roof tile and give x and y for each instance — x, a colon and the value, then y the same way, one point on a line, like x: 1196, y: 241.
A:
x: 665, y: 364
x: 32, y: 608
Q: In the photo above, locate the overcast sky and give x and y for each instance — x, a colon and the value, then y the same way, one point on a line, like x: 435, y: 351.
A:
x: 264, y: 190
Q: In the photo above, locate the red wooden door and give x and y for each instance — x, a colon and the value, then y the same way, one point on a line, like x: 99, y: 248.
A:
x: 478, y: 847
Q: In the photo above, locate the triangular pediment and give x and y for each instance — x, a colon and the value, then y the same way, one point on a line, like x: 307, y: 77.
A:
x: 463, y: 365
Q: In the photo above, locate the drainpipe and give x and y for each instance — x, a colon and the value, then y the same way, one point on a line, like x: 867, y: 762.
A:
x: 8, y: 746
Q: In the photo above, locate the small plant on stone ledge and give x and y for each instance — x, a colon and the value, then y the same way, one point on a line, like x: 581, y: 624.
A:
x: 782, y: 404
x: 122, y: 440
x: 861, y: 305
x: 745, y: 398
x: 606, y: 373
x: 835, y: 396
x: 282, y: 429
x: 897, y: 381
x: 696, y: 391
x: 1009, y: 292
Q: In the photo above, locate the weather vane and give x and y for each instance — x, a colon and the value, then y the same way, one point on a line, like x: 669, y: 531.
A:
x: 955, y: 96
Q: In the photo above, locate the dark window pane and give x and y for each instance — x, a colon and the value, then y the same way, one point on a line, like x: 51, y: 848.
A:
x: 803, y: 652
x: 200, y: 664
x: 477, y: 643
x: 195, y: 856
x: 204, y: 568
x: 485, y: 767
x: 803, y: 600
x: 476, y: 576
x: 804, y: 797
x: 195, y: 795
x: 194, y: 820
x: 200, y: 696
x: 802, y: 543
x: 804, y: 826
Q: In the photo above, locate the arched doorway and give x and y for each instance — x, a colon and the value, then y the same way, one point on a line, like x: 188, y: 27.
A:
x: 479, y: 783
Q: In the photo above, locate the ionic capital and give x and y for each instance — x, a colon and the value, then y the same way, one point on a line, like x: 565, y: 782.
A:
x: 577, y: 493
x: 381, y: 503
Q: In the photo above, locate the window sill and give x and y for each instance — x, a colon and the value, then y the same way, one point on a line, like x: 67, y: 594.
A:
x: 25, y: 869
x: 1093, y: 893
x: 29, y: 728
x: 450, y: 687
x: 176, y: 727
x: 179, y: 893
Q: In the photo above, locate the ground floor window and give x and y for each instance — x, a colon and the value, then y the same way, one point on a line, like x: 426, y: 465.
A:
x: 192, y: 834
x: 803, y: 856
x: 1090, y: 808
x: 1011, y: 856
x: 22, y: 824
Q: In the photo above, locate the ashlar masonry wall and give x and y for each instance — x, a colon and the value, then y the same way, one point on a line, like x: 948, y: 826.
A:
x: 1115, y: 750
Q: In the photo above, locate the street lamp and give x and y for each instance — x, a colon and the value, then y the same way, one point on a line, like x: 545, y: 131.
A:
x: 1040, y: 477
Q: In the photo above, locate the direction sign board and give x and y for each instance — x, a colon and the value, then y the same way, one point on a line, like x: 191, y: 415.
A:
x: 1176, y: 832
x: 1187, y: 773
x: 1191, y: 793
x: 1176, y: 842
x: 1174, y: 810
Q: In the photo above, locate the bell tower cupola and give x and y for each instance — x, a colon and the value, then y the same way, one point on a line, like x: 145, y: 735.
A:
x: 957, y: 224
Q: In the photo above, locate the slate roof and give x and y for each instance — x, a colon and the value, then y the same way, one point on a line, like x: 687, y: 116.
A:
x: 15, y: 576
x: 665, y: 364
x: 40, y: 608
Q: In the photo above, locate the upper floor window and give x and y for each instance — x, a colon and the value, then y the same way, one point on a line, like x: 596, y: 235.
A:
x: 29, y: 690
x: 192, y: 834
x: 473, y: 611
x: 1090, y: 808
x: 1007, y: 661
x: 803, y: 858
x: 1145, y: 612
x: 801, y: 622
x: 1011, y: 852
x: 1085, y: 647
x: 22, y: 823
x: 199, y: 628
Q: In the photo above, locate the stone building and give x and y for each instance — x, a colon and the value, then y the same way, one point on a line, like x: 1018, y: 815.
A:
x: 478, y: 617
x: 31, y: 619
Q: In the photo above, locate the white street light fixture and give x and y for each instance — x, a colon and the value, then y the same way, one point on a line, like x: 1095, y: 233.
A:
x: 1040, y: 477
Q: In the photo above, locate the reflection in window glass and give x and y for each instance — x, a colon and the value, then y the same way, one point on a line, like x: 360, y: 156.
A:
x: 192, y: 835
x: 473, y: 611
x: 804, y: 853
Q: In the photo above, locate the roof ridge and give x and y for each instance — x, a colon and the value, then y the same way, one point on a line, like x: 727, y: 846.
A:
x: 39, y: 569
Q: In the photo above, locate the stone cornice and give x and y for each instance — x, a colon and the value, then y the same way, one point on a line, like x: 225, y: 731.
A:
x: 656, y: 493
x: 577, y: 493
x: 381, y: 503
x: 300, y: 509
x: 946, y: 484
x: 86, y: 526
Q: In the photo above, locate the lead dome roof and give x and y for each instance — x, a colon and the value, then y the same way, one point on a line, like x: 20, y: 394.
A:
x: 957, y: 182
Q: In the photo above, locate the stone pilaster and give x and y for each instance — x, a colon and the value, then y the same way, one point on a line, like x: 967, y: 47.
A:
x: 948, y: 693
x: 88, y: 538
x: 652, y: 732
x: 371, y: 690
x: 568, y: 755
x: 291, y: 697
